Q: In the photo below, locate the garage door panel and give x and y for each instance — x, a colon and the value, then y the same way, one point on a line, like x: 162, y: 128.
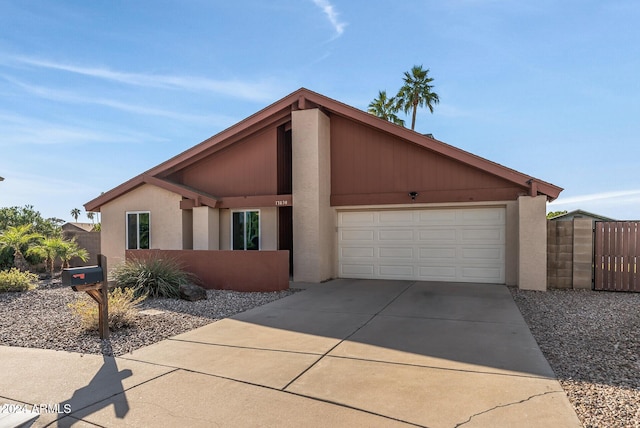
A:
x: 346, y: 252
x: 357, y: 235
x: 359, y: 270
x: 466, y: 245
x: 396, y: 271
x: 442, y: 235
x: 397, y: 235
x: 437, y: 253
x: 401, y: 218
x: 436, y: 217
x: 480, y: 254
x: 481, y: 216
x: 397, y: 252
x: 442, y: 273
x: 366, y: 218
x: 480, y: 274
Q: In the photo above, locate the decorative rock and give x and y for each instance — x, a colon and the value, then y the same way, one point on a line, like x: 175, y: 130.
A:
x: 192, y: 292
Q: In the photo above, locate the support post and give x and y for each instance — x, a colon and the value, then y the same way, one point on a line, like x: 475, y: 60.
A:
x: 103, y: 303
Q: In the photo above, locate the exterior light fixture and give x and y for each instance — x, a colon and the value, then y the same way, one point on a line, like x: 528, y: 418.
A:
x: 413, y: 195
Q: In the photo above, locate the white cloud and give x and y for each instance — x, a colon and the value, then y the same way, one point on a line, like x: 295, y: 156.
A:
x: 24, y: 130
x: 603, y: 197
x: 618, y: 204
x: 254, y: 91
x: 332, y: 15
x: 68, y: 97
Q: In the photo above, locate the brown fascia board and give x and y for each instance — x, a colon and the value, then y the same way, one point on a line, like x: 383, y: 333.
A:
x: 303, y: 99
x: 187, y: 192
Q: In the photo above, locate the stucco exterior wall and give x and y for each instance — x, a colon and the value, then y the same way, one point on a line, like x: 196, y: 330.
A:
x: 532, y: 245
x: 206, y: 228
x: 314, y: 220
x: 166, y: 221
x: 512, y: 247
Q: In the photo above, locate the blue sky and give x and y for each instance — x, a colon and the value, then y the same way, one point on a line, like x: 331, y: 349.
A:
x: 93, y: 93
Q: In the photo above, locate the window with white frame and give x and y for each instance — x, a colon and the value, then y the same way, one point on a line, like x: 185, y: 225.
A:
x: 245, y: 230
x: 138, y: 230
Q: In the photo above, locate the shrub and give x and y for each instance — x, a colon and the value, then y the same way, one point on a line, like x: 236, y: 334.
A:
x: 122, y: 309
x: 152, y: 277
x: 15, y: 280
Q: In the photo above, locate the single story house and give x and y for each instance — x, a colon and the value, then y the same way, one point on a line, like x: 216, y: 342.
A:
x: 569, y: 216
x: 348, y: 194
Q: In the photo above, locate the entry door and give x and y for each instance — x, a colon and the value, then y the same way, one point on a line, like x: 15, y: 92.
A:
x: 457, y: 245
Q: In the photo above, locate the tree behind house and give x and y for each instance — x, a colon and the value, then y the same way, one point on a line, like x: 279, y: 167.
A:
x: 417, y: 91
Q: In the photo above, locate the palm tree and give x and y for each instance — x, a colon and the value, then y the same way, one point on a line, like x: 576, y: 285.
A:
x: 385, y: 108
x: 69, y: 250
x: 19, y: 238
x: 75, y: 213
x: 90, y: 216
x: 416, y: 92
x: 49, y: 249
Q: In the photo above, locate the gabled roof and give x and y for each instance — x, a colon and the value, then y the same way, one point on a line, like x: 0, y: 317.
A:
x: 581, y: 213
x: 86, y: 227
x: 279, y: 113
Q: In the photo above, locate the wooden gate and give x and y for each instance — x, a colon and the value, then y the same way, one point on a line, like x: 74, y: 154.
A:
x: 617, y: 253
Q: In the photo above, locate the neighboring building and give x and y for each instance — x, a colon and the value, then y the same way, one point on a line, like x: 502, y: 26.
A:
x: 86, y: 238
x: 348, y: 194
x: 580, y: 214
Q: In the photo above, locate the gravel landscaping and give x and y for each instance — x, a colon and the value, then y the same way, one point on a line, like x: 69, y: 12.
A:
x: 592, y: 341
x: 41, y: 319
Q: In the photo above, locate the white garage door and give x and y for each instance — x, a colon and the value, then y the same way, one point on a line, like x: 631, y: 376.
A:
x: 461, y: 245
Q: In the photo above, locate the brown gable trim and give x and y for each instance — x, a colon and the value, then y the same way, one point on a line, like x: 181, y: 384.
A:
x: 199, y: 197
x: 279, y: 112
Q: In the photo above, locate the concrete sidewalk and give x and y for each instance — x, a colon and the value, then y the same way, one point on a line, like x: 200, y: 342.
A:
x: 344, y: 353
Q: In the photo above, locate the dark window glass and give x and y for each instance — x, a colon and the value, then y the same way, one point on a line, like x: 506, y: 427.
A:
x: 132, y: 231
x: 246, y: 230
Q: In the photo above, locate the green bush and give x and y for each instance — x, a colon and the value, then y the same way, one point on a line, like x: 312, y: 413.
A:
x: 122, y: 309
x: 15, y: 280
x: 152, y: 277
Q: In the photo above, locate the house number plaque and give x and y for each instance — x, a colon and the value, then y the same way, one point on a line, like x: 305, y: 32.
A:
x: 281, y: 203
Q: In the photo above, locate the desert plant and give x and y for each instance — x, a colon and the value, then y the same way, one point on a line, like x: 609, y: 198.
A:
x: 15, y: 280
x: 19, y: 238
x: 154, y: 277
x: 123, y: 309
x: 70, y: 250
x: 50, y: 249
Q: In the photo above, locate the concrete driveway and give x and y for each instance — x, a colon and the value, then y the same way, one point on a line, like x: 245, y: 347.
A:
x: 344, y: 353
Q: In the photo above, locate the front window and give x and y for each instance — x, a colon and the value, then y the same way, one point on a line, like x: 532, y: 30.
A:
x: 138, y: 230
x: 245, y: 230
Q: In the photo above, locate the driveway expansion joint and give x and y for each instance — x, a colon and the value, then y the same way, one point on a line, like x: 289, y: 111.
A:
x: 286, y: 351
x: 411, y: 284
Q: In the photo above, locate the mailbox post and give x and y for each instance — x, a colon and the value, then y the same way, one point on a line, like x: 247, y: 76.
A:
x: 93, y: 281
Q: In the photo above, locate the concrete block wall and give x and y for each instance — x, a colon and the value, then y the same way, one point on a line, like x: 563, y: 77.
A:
x: 570, y: 254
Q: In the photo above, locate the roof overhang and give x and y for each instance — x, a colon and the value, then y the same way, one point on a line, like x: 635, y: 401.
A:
x: 279, y: 113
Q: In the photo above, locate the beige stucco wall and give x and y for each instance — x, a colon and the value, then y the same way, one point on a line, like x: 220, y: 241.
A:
x: 165, y: 215
x: 532, y: 245
x: 268, y: 228
x: 511, y: 244
x: 314, y: 221
x: 206, y: 228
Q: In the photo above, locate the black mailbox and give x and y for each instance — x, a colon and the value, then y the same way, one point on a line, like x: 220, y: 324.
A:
x: 82, y: 276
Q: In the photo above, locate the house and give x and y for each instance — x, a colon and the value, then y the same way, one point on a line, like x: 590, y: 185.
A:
x: 569, y: 216
x: 87, y: 237
x: 349, y: 195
